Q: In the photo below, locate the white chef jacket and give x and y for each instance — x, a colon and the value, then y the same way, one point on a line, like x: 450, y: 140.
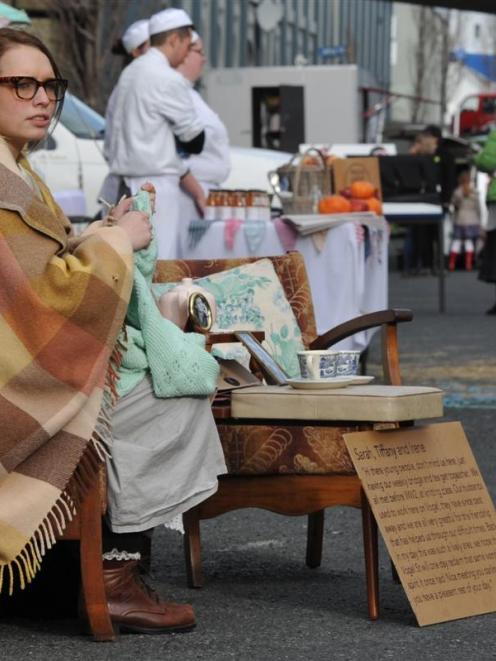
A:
x: 211, y: 167
x: 152, y: 105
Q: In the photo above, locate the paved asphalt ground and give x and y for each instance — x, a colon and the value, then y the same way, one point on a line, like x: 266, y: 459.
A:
x: 260, y: 601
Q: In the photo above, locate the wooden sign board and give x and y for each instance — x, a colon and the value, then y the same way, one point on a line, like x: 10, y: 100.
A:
x: 435, y: 515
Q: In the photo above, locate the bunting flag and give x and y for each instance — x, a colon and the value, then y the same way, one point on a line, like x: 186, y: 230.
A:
x: 286, y: 233
x: 254, y: 231
x: 196, y: 230
x: 231, y: 227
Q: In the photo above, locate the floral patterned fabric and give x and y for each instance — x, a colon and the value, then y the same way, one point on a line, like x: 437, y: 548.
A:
x: 272, y: 449
x: 251, y: 297
x: 290, y: 269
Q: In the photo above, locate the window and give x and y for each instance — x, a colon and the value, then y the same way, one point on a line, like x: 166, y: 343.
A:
x: 81, y: 120
x: 471, y: 104
x: 489, y: 106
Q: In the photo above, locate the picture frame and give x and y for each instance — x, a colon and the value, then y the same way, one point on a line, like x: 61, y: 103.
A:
x: 273, y: 373
x: 200, y: 313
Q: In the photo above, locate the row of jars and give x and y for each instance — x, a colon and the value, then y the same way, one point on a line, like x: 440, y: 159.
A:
x: 239, y: 204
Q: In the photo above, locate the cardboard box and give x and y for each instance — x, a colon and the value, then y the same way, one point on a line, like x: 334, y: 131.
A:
x: 347, y: 170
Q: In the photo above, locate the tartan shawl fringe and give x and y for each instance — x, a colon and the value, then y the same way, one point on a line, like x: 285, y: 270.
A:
x: 26, y: 565
x: 53, y: 271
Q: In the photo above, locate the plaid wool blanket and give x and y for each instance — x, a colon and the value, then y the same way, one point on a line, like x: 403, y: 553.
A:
x: 62, y: 305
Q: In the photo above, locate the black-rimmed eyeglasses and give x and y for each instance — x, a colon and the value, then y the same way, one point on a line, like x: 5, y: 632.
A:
x: 26, y: 87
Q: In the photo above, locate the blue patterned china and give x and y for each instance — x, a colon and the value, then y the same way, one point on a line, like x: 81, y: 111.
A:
x: 318, y: 364
x: 347, y: 363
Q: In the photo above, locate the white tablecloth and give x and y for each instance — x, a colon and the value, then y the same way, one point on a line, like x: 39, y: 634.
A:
x: 344, y: 283
x: 413, y: 209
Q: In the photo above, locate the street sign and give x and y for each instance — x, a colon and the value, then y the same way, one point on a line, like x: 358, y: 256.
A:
x: 332, y: 51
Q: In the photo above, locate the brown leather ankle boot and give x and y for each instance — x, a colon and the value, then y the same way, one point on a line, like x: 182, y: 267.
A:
x: 134, y: 606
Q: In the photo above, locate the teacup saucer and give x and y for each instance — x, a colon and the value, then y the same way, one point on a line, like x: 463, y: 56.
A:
x: 360, y: 379
x: 321, y: 384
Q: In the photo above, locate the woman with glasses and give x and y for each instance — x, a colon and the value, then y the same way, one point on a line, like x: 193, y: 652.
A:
x: 210, y: 168
x: 63, y: 301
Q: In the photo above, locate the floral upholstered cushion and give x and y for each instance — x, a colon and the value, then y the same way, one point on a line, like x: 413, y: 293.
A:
x: 271, y: 449
x: 251, y: 297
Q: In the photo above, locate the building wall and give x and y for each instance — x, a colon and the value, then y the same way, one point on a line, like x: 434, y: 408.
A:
x: 331, y: 105
x: 471, y: 31
x: 474, y: 33
x: 235, y: 40
x: 405, y: 70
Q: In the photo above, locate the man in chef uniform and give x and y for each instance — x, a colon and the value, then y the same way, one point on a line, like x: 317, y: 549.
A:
x: 134, y: 42
x: 153, y: 110
x: 210, y: 168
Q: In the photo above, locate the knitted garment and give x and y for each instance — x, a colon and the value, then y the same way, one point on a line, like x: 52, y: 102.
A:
x: 177, y: 361
x: 63, y: 301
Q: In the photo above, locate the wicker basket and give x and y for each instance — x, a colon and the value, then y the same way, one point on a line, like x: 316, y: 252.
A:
x: 298, y: 183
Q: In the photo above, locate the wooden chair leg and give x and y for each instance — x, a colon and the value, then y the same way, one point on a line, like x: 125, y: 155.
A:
x: 371, y: 557
x: 192, y: 548
x: 315, y: 535
x: 94, y: 598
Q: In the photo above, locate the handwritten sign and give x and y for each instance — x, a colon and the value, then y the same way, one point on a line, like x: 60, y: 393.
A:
x: 435, y: 515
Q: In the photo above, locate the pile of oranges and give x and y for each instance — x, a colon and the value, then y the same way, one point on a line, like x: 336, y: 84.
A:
x: 360, y: 196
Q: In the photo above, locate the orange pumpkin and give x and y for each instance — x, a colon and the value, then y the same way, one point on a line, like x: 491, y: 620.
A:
x: 334, y: 204
x: 375, y: 205
x: 362, y: 190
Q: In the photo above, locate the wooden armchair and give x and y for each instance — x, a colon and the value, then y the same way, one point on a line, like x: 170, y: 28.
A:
x: 86, y: 527
x: 274, y: 465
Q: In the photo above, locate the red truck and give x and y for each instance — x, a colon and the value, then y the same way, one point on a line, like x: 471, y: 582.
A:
x: 476, y: 114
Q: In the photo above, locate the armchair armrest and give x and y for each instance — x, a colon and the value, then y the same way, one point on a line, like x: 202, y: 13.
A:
x: 388, y: 319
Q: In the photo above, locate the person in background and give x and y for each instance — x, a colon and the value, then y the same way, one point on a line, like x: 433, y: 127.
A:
x: 152, y: 111
x: 466, y: 221
x: 424, y: 238
x: 134, y: 42
x: 485, y: 161
x: 212, y: 166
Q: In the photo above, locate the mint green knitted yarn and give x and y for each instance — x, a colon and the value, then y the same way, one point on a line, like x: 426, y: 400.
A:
x: 177, y: 361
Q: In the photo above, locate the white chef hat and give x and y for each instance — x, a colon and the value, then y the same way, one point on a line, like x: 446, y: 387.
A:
x: 135, y: 35
x: 169, y: 19
x: 194, y: 37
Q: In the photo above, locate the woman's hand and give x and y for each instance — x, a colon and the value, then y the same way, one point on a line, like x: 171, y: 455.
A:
x: 138, y: 227
x: 120, y: 209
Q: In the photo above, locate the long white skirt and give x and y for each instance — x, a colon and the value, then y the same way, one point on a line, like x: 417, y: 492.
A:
x: 166, y: 457
x: 167, y: 217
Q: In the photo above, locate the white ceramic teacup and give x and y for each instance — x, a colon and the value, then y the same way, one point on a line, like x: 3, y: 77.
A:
x: 318, y: 364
